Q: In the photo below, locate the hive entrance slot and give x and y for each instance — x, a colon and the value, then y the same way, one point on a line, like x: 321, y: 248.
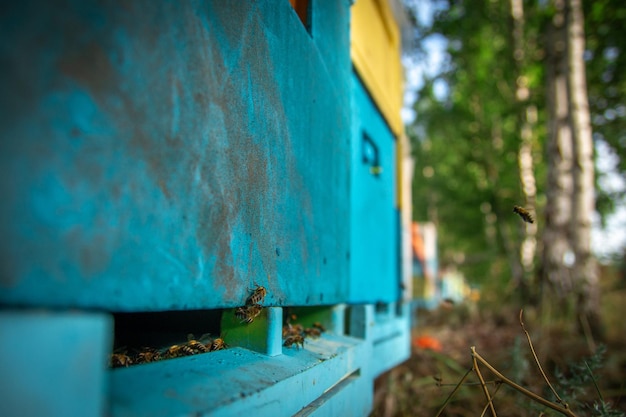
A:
x: 137, y: 333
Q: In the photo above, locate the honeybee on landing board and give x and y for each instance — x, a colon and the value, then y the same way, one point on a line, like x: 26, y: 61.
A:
x: 319, y: 326
x: 313, y: 332
x: 298, y: 340
x: 524, y: 214
x: 196, y: 347
x: 118, y: 360
x: 193, y: 347
x: 174, y: 351
x: 217, y: 344
x: 148, y: 355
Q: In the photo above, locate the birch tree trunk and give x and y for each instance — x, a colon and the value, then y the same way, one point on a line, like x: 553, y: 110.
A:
x: 585, y: 269
x: 557, y: 252
x: 528, y: 118
x: 568, y: 264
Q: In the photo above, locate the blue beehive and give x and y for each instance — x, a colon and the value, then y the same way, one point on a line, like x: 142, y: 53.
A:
x: 160, y: 161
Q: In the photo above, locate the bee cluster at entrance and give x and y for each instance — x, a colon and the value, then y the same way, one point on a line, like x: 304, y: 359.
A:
x: 253, y: 307
x: 294, y: 334
x: 123, y: 357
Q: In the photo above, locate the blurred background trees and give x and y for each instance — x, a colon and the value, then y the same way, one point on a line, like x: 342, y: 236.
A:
x: 526, y: 91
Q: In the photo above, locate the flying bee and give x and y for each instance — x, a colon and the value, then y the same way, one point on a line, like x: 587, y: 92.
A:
x: 524, y: 214
x: 248, y: 313
x: 217, y: 344
x: 257, y: 296
x: 297, y: 339
x: 118, y: 360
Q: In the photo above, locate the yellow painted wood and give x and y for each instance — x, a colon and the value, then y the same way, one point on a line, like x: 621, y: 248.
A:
x: 375, y: 51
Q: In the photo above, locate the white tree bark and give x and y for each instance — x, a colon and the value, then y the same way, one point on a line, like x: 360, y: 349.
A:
x: 568, y: 263
x: 585, y: 270
x: 557, y: 251
x: 528, y: 248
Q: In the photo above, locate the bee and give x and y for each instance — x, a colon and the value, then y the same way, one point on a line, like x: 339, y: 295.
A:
x: 187, y: 351
x: 148, y: 355
x: 118, y: 360
x: 241, y: 313
x: 313, y: 332
x: 217, y: 344
x: 319, y: 326
x: 193, y: 347
x: 524, y: 214
x: 248, y: 313
x: 292, y: 330
x: 298, y: 340
x: 257, y: 296
x: 174, y: 351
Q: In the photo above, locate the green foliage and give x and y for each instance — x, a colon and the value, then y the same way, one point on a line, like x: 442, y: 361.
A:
x: 579, y: 383
x: 604, y: 25
x: 579, y: 379
x: 466, y: 144
x: 604, y: 409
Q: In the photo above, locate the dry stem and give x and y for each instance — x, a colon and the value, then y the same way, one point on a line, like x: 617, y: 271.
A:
x: 563, y: 410
x: 543, y: 374
x: 484, y: 387
x: 560, y: 406
x: 458, y: 386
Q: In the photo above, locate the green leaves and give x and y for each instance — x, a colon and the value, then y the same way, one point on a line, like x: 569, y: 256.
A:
x: 606, y: 80
x: 466, y: 146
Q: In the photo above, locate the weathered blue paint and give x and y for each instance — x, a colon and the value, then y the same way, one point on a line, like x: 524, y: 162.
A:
x: 168, y: 155
x: 388, y: 332
x: 53, y: 364
x: 274, y: 331
x: 337, y: 319
x: 171, y: 155
x: 350, y: 397
x: 374, y: 232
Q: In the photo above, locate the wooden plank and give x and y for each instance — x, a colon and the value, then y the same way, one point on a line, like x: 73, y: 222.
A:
x: 376, y: 53
x: 256, y: 384
x: 53, y: 364
x: 374, y: 256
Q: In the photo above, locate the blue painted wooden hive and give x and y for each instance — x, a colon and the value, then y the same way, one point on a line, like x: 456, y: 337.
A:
x: 161, y: 161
